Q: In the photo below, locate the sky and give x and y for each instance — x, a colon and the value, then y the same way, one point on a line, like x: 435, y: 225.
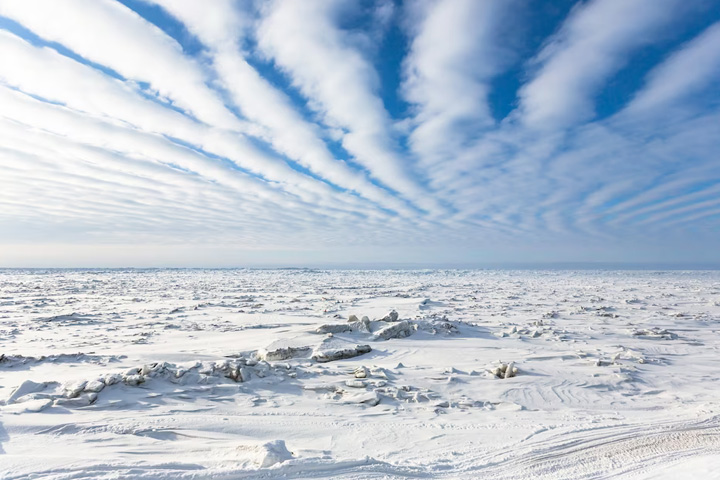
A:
x: 226, y: 133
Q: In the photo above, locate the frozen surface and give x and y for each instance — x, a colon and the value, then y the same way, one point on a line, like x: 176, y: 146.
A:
x: 226, y: 374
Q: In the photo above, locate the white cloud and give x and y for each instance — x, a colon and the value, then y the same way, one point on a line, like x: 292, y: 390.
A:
x: 456, y: 50
x: 109, y: 34
x: 259, y: 101
x: 305, y: 41
x: 690, y: 69
x: 91, y: 92
x: 87, y: 158
x: 594, y: 42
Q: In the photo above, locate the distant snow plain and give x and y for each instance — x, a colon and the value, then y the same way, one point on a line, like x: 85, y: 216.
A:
x: 227, y: 374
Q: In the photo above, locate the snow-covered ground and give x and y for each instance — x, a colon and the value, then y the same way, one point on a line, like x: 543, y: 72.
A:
x: 228, y: 374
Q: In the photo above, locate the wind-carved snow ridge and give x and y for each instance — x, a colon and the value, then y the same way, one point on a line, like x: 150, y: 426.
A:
x: 358, y: 374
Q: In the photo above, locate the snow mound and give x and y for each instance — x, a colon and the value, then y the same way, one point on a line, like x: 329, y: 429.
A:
x: 267, y: 454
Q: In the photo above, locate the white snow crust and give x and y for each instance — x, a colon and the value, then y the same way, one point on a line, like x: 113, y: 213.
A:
x: 227, y: 374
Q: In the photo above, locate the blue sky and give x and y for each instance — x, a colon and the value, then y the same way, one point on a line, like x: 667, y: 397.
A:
x: 368, y: 132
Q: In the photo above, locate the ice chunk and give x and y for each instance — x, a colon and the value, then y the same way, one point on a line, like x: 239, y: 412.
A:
x: 396, y: 330
x: 74, y: 389
x: 80, y: 401
x: 356, y: 383
x: 244, y: 374
x: 284, y: 353
x: 32, y: 405
x: 505, y: 370
x: 368, y: 398
x: 390, y: 317
x: 362, y: 326
x: 654, y: 333
x: 268, y: 454
x: 25, y: 388
x: 333, y: 328
x: 275, y: 452
x: 330, y: 352
x: 509, y: 370
x: 94, y: 386
x: 133, y: 380
x: 283, y: 349
x: 112, y: 378
x: 320, y: 387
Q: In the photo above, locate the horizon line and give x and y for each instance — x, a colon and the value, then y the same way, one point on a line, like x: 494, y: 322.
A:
x: 628, y: 266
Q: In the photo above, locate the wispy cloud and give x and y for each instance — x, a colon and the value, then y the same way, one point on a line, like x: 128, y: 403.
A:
x: 593, y: 43
x: 688, y: 71
x: 258, y: 100
x: 307, y: 43
x: 319, y: 129
x: 109, y: 34
x: 456, y: 50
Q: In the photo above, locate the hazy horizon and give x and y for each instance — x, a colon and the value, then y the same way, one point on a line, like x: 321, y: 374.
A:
x: 547, y: 266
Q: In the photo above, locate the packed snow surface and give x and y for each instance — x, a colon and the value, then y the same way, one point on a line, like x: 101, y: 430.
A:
x: 226, y: 374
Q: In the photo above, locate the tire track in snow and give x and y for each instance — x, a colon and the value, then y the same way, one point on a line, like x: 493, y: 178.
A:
x: 599, y: 453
